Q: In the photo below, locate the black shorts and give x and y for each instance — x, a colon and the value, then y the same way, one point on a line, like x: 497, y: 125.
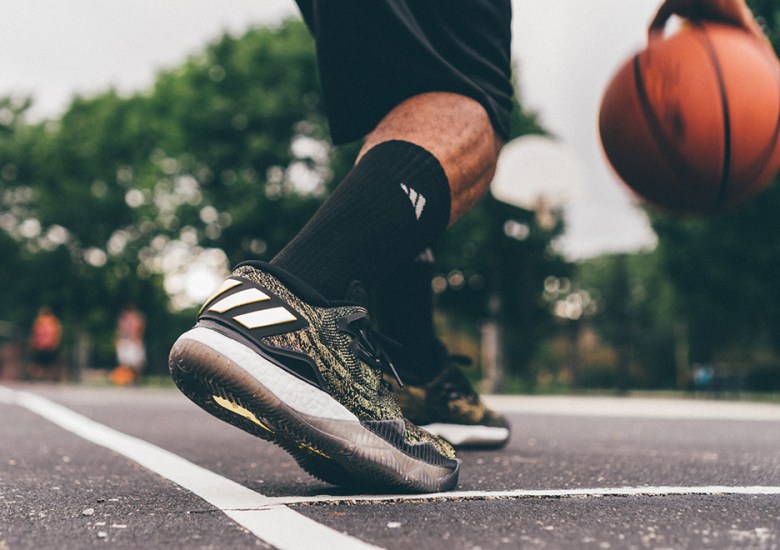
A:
x: 374, y: 54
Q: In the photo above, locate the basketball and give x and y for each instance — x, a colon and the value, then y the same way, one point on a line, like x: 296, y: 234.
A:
x: 692, y: 122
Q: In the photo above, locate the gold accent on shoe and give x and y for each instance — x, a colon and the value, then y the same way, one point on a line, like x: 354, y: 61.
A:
x: 240, y: 411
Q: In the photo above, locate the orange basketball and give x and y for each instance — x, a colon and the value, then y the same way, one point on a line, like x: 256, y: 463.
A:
x: 692, y: 122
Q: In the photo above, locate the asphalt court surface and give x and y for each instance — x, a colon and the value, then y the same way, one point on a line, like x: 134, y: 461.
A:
x: 131, y: 468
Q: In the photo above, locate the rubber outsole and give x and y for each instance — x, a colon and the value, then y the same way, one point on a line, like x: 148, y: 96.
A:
x: 324, y: 441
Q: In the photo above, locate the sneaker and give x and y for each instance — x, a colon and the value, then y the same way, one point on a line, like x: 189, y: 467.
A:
x: 272, y: 357
x: 449, y: 407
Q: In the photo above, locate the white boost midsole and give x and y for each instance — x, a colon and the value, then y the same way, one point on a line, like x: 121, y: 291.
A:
x: 294, y: 392
x: 462, y: 434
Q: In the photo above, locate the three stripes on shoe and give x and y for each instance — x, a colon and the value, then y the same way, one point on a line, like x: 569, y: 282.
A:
x: 254, y: 319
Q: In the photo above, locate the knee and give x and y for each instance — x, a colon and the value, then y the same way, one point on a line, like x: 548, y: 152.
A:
x: 454, y: 128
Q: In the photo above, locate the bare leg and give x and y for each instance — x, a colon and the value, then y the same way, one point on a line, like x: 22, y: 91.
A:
x: 457, y: 131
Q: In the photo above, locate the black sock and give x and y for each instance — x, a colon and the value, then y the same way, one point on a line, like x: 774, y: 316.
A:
x: 404, y: 308
x: 394, y: 203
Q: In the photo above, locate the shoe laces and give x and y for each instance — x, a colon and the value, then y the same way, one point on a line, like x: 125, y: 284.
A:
x: 367, y: 343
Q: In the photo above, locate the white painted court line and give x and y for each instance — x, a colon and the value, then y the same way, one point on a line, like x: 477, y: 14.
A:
x: 635, y: 407
x: 517, y: 494
x: 268, y: 520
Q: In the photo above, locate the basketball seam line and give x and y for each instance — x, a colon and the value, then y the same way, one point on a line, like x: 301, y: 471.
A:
x: 725, y: 177
x: 676, y: 161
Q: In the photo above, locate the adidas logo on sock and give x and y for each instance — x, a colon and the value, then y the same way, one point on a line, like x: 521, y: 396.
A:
x: 418, y: 200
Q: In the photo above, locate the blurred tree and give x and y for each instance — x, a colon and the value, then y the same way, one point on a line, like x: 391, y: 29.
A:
x: 636, y: 314
x: 99, y: 206
x: 243, y: 126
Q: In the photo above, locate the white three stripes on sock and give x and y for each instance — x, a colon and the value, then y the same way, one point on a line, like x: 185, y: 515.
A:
x: 418, y: 200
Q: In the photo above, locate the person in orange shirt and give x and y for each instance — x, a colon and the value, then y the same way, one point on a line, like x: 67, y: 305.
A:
x: 45, y: 338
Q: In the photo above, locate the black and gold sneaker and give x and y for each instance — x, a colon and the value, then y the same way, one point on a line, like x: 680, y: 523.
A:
x: 449, y: 407
x: 271, y: 356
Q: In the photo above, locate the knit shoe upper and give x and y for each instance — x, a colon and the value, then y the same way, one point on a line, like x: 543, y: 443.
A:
x: 449, y: 407
x: 271, y: 356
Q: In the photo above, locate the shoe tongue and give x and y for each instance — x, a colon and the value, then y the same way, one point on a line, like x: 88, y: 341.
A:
x: 356, y: 294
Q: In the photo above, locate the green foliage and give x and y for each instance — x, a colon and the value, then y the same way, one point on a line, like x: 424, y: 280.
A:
x: 97, y: 206
x: 636, y: 314
x: 230, y: 118
x: 725, y: 271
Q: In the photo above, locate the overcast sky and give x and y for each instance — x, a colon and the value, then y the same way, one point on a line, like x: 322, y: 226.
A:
x: 565, y: 51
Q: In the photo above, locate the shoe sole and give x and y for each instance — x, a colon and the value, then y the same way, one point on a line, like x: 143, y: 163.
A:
x: 464, y: 436
x: 240, y: 386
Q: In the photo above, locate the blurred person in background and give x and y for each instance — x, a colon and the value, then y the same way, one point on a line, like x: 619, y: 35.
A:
x: 44, y: 345
x: 130, y: 349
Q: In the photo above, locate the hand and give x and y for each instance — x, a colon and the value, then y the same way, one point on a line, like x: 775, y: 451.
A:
x: 732, y: 12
